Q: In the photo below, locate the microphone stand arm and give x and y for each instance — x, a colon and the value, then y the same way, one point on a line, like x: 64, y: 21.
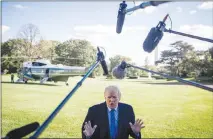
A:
x: 171, y: 77
x: 100, y: 57
x: 144, y: 5
x: 188, y: 35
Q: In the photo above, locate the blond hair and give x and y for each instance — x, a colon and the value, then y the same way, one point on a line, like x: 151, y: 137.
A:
x: 113, y: 88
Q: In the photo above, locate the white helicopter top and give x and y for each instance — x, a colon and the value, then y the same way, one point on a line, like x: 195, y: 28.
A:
x: 43, y: 63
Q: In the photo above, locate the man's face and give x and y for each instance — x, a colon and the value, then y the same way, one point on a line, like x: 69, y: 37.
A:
x: 112, y: 98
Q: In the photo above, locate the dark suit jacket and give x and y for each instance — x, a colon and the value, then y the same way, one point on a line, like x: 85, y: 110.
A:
x: 98, y: 115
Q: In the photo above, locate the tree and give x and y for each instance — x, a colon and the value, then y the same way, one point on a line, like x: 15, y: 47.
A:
x: 211, y: 52
x: 176, y: 59
x: 204, y: 64
x: 116, y: 60
x: 169, y: 58
x: 133, y: 72
x: 30, y: 34
x: 211, y: 62
x: 182, y: 47
x: 10, y: 47
x: 11, y: 57
x: 48, y: 49
x: 75, y: 52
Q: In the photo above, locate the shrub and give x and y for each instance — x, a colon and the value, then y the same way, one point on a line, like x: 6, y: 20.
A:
x: 133, y: 77
x: 158, y: 77
x: 110, y: 76
x: 6, y: 71
x: 192, y: 75
x: 144, y: 76
x: 204, y: 79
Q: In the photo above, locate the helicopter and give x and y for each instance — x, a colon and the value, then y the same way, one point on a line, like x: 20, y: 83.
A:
x: 43, y: 70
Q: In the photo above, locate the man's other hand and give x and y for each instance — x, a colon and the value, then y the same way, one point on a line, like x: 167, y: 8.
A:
x: 136, y: 128
x: 88, y: 129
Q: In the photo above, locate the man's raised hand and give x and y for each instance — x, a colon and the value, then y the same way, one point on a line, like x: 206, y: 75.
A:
x: 137, y: 126
x: 88, y: 129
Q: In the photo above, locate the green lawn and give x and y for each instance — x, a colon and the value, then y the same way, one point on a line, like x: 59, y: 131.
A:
x: 168, y: 109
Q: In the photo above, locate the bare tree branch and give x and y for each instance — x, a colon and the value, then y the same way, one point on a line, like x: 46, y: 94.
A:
x: 30, y: 34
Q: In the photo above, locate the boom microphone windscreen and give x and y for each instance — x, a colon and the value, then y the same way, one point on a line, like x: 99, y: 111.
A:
x: 121, y: 17
x: 156, y: 3
x: 104, y: 67
x: 154, y: 36
x: 103, y: 62
x: 119, y: 71
x: 152, y: 40
x: 22, y: 131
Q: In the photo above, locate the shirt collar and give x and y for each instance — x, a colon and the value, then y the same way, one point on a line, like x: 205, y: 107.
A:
x: 109, y: 109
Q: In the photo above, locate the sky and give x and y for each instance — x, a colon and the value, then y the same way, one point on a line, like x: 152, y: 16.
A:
x: 96, y: 22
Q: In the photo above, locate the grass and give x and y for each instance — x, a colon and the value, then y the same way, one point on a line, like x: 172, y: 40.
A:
x: 168, y: 109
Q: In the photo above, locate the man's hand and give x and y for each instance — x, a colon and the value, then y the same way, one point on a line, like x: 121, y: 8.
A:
x: 136, y: 128
x: 88, y: 129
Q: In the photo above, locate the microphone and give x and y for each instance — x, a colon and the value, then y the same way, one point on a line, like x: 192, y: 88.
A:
x: 104, y: 67
x: 154, y: 36
x: 22, y: 131
x: 156, y: 3
x: 121, y: 17
x: 103, y: 62
x: 119, y: 71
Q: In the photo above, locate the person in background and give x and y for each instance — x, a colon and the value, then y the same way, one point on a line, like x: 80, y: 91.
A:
x: 12, y: 78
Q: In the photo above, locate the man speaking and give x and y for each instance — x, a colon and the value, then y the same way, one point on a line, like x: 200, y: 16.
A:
x: 111, y: 119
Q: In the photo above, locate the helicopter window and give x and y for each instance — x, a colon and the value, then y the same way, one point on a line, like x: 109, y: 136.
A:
x: 38, y: 64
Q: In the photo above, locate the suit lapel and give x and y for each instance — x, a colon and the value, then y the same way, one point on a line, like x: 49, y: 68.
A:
x: 105, y: 121
x: 120, y: 119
